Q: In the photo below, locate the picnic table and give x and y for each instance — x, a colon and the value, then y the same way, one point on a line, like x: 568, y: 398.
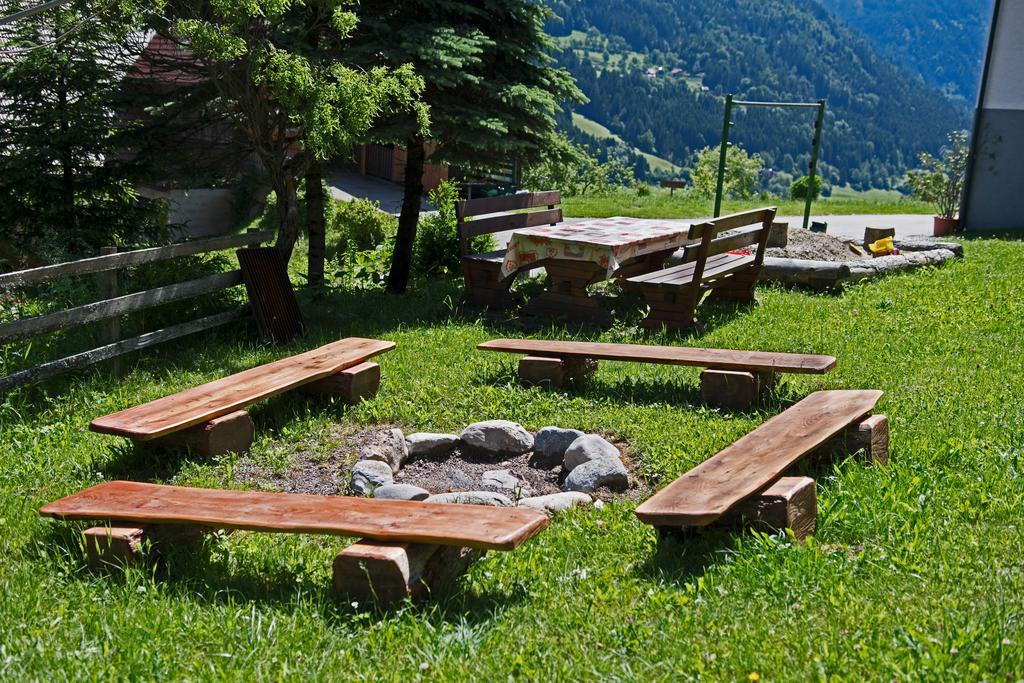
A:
x: 576, y: 255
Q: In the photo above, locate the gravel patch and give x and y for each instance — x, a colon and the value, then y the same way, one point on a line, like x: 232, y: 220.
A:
x: 815, y: 246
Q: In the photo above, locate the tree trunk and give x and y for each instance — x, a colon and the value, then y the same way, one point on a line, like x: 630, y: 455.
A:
x: 315, y: 226
x: 401, y: 259
x: 287, y: 214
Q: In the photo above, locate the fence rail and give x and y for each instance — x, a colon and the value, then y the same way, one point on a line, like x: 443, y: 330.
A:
x: 114, y: 305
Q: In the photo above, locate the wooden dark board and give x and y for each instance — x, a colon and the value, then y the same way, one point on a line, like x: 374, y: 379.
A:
x: 270, y: 293
x: 471, y: 526
x: 707, y: 491
x: 719, y: 359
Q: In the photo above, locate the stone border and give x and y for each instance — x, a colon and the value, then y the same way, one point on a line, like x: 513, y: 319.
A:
x: 826, y: 275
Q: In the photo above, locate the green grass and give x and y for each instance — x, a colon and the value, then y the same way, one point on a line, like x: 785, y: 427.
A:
x: 916, y: 572
x: 683, y: 204
x: 590, y: 127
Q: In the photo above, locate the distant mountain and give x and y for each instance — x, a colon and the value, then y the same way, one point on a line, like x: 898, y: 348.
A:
x: 657, y: 71
x: 942, y: 40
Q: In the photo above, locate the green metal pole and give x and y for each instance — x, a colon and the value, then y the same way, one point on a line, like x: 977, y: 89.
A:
x: 726, y: 125
x: 812, y: 170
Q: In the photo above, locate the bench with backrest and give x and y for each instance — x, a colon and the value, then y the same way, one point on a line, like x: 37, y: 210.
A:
x: 408, y: 547
x: 211, y: 418
x: 485, y: 285
x: 746, y: 479
x: 727, y: 258
x: 732, y: 379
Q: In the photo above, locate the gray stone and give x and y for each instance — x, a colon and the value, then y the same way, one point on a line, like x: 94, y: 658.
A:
x: 550, y: 444
x: 590, y: 476
x: 367, y: 475
x: 504, y: 479
x: 472, y: 498
x: 587, y: 448
x: 427, y: 443
x: 389, y: 447
x: 458, y: 479
x: 401, y: 492
x: 498, y: 437
x: 557, y: 502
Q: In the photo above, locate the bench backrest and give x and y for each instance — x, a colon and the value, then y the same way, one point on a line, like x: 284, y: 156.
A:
x: 747, y: 229
x: 496, y: 214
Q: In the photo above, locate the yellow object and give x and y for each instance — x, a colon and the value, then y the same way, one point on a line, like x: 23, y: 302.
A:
x: 855, y: 249
x: 882, y: 246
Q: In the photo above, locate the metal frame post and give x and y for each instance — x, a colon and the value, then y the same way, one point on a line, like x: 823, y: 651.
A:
x: 723, y: 150
x: 812, y: 168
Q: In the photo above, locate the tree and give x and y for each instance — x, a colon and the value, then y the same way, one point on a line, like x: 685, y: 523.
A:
x: 65, y: 186
x: 940, y: 181
x: 798, y: 190
x: 741, y: 172
x: 279, y: 73
x: 489, y: 84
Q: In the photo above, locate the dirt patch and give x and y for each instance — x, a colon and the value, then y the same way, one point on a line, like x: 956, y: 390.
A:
x: 815, y: 246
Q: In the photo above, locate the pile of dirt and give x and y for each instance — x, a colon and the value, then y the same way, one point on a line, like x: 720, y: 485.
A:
x: 815, y: 246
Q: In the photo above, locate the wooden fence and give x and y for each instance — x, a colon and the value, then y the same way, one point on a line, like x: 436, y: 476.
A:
x: 114, y: 305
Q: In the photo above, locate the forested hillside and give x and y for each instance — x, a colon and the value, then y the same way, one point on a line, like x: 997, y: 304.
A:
x: 656, y: 73
x: 942, y: 40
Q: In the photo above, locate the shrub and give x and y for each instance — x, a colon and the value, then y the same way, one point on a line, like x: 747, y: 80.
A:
x: 742, y: 172
x: 940, y: 181
x: 798, y: 190
x: 360, y: 225
x: 436, y: 251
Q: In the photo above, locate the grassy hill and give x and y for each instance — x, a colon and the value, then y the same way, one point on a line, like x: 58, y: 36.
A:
x: 657, y: 164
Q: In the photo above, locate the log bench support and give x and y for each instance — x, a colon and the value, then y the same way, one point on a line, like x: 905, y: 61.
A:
x: 485, y: 287
x: 870, y: 438
x: 352, y: 386
x: 555, y: 373
x: 387, y: 573
x: 231, y: 433
x: 789, y: 503
x: 127, y: 545
x: 735, y: 390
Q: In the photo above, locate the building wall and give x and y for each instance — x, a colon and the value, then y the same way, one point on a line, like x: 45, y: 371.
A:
x: 995, y: 189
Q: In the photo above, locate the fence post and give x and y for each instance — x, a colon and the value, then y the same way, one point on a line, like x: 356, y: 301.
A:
x: 255, y: 244
x: 109, y: 289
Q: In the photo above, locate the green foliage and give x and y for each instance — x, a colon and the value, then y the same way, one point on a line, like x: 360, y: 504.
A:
x: 570, y: 168
x: 66, y: 188
x: 798, y: 190
x: 940, y: 180
x: 741, y: 176
x: 878, y: 118
x: 359, y: 225
x: 436, y: 253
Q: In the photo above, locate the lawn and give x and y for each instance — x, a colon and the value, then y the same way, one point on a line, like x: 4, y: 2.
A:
x: 662, y: 204
x: 916, y: 572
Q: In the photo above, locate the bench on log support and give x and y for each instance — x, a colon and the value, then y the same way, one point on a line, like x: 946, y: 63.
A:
x: 732, y: 379
x: 750, y: 469
x: 721, y: 261
x: 210, y: 418
x: 408, y: 548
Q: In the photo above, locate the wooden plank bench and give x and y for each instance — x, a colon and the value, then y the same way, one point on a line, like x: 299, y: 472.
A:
x: 732, y: 379
x: 747, y: 473
x: 485, y: 285
x: 409, y: 547
x: 210, y: 418
x: 716, y: 263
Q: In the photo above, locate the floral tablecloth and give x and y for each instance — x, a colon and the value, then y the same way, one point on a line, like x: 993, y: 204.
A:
x: 604, y: 241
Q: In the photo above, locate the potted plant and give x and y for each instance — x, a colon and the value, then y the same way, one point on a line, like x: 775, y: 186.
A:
x: 940, y: 181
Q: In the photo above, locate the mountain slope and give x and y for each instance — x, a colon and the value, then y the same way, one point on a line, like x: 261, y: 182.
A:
x: 879, y: 116
x: 942, y: 40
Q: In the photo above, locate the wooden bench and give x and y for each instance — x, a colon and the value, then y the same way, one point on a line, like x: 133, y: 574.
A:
x: 733, y: 379
x: 485, y: 285
x: 409, y: 548
x: 716, y: 262
x: 746, y: 478
x: 210, y: 418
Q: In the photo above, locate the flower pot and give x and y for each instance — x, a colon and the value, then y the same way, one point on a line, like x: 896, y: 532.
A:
x: 944, y: 226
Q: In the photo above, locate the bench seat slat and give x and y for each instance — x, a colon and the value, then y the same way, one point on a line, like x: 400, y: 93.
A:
x: 385, y: 520
x: 755, y: 461
x: 223, y: 396
x: 716, y: 359
x: 676, y: 276
x: 488, y: 256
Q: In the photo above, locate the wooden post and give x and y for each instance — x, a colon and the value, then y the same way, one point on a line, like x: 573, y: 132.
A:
x: 128, y: 545
x: 554, y: 372
x: 729, y: 389
x: 254, y: 232
x: 109, y: 289
x: 872, y: 437
x: 231, y: 433
x: 385, y: 573
x: 351, y: 386
x: 789, y: 503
